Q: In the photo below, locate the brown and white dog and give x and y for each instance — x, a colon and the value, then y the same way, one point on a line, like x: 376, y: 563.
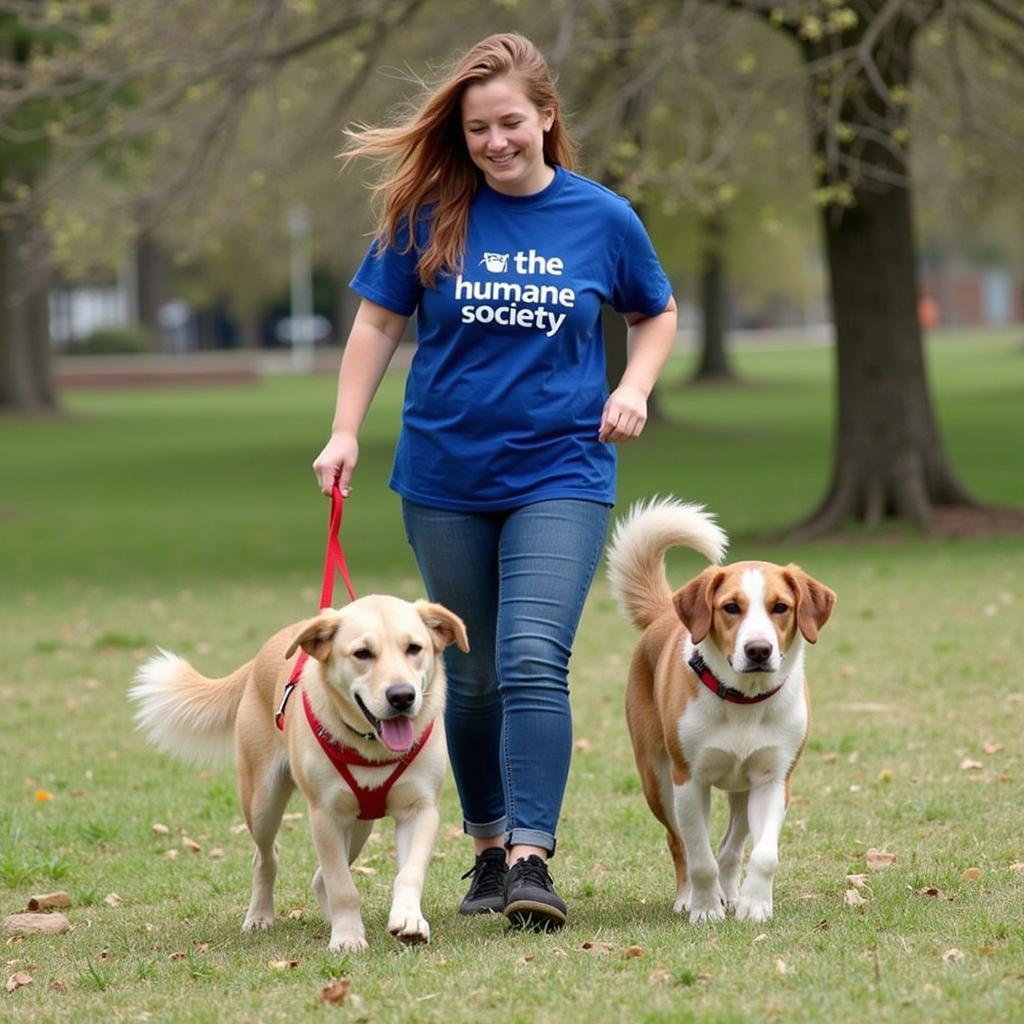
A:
x: 372, y: 689
x: 716, y: 698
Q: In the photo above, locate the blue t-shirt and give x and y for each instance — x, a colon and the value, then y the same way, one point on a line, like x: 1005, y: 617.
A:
x: 505, y: 392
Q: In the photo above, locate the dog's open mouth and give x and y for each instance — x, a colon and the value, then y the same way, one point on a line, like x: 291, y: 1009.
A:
x: 395, y: 733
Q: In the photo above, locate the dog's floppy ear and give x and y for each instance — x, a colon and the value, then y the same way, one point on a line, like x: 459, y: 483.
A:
x: 694, y: 602
x: 316, y: 635
x: 445, y: 626
x: 814, y: 601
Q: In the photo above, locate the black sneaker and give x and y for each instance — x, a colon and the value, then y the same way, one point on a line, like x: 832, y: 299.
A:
x: 487, y: 890
x: 530, y: 898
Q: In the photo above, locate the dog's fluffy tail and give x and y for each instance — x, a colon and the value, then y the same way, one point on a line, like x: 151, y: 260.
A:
x: 185, y: 713
x: 636, y: 557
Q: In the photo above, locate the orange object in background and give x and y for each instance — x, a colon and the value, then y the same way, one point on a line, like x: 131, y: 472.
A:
x: 927, y: 313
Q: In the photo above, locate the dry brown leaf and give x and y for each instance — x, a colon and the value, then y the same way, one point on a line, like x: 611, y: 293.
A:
x: 633, y: 952
x: 293, y: 816
x: 878, y: 859
x: 216, y: 853
x: 524, y: 961
x: 36, y: 924
x: 1017, y: 867
x: 928, y: 890
x: 991, y: 748
x: 780, y: 965
x: 853, y: 898
x: 857, y: 880
x: 237, y: 830
x: 284, y: 965
x: 296, y: 914
x: 57, y: 986
x: 659, y: 975
x: 112, y: 899
x: 177, y: 956
x: 336, y: 992
x: 363, y: 869
x: 160, y: 829
x: 171, y: 854
x: 190, y: 844
x: 49, y: 901
x: 822, y: 926
x: 758, y: 938
x: 18, y: 980
x: 953, y: 955
x: 596, y: 947
x: 972, y: 874
x: 968, y: 764
x: 582, y: 744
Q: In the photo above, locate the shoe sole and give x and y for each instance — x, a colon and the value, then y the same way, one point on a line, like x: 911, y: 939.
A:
x: 476, y: 911
x: 532, y: 915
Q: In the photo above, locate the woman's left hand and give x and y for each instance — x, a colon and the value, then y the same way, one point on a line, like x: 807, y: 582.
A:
x: 624, y: 416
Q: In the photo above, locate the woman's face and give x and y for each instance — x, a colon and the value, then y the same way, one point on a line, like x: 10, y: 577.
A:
x: 504, y: 135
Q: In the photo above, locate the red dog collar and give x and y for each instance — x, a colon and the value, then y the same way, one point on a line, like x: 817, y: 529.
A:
x: 720, y: 690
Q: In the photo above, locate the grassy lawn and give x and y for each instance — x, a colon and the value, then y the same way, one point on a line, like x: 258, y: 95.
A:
x: 190, y: 519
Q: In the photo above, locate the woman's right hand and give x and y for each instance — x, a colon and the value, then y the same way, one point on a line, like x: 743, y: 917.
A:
x: 336, y: 463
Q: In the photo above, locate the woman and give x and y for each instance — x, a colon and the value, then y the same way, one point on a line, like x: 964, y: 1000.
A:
x: 505, y: 462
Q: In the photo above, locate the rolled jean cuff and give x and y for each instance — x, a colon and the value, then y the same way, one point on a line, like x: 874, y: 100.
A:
x: 531, y: 837
x: 490, y: 830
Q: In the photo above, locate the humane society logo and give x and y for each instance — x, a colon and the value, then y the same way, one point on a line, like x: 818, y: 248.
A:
x: 511, y: 304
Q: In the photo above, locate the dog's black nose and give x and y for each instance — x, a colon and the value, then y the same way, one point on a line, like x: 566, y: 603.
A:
x: 400, y: 696
x: 757, y: 651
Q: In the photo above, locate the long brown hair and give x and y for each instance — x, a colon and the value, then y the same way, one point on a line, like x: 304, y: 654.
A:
x: 425, y: 156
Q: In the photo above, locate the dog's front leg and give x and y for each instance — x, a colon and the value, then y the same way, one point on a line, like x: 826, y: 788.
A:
x: 730, y: 853
x: 766, y: 810
x: 415, y: 834
x: 693, y: 806
x: 342, y: 897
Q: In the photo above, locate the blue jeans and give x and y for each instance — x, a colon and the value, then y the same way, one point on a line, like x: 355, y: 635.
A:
x: 518, y: 579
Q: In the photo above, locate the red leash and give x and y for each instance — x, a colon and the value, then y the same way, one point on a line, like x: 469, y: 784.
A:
x: 334, y: 561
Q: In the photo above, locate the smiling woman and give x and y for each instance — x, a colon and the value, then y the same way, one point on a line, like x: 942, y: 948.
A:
x: 505, y: 464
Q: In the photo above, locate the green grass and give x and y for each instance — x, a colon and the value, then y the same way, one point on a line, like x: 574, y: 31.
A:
x: 190, y: 519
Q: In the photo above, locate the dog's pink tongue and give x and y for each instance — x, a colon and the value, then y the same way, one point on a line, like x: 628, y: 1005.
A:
x: 396, y: 733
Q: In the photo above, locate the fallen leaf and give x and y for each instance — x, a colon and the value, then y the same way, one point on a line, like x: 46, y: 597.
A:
x: 335, y: 993
x: 633, y: 952
x: 991, y: 748
x: 582, y: 744
x: 596, y: 947
x: 57, y: 986
x: 970, y: 765
x: 659, y: 975
x: 780, y: 965
x: 171, y: 853
x: 293, y: 816
x: 953, y: 955
x: 296, y: 914
x: 43, y: 796
x: 284, y: 965
x: 36, y: 924
x: 112, y: 899
x: 190, y: 844
x: 524, y: 961
x: 216, y: 853
x: 878, y: 859
x: 972, y: 874
x: 177, y: 956
x: 363, y: 869
x: 237, y: 830
x: 1017, y: 867
x: 19, y: 980
x: 886, y: 775
x: 928, y: 890
x: 857, y: 880
x: 822, y: 926
x: 758, y: 938
x: 853, y: 898
x: 160, y: 829
x: 49, y: 901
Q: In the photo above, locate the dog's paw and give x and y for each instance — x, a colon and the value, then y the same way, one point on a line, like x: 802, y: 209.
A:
x: 257, y: 922
x: 682, y: 900
x: 413, y: 930
x: 349, y: 942
x: 707, y: 906
x: 753, y: 908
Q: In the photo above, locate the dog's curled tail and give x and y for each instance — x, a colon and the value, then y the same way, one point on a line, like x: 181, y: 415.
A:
x: 185, y: 713
x: 636, y: 562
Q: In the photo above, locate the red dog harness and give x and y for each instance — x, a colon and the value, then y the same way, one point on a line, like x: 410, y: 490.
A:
x: 720, y: 690
x: 372, y: 802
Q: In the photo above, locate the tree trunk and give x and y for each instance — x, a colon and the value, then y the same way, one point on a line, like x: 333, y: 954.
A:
x: 714, y: 359
x: 26, y: 369
x: 889, y: 459
x: 151, y: 277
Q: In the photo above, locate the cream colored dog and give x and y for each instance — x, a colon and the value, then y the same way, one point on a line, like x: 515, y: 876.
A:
x: 372, y: 692
x: 716, y: 698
